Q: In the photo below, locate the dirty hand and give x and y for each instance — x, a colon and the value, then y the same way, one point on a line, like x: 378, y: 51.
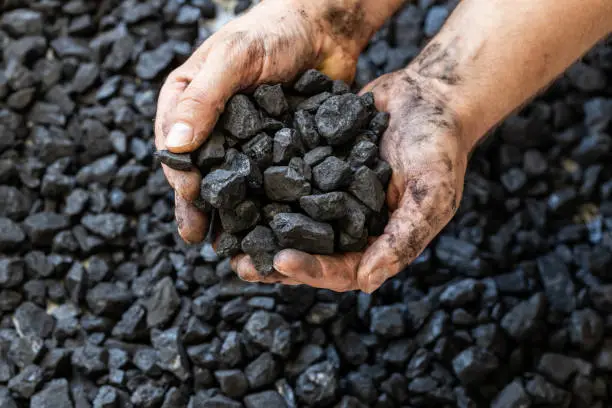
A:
x: 272, y: 43
x: 425, y: 147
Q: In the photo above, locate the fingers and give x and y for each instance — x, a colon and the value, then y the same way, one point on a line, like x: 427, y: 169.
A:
x: 406, y: 235
x: 334, y: 272
x: 339, y: 66
x: 233, y: 64
x: 192, y: 223
x: 242, y: 265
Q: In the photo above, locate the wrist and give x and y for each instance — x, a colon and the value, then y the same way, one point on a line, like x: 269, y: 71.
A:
x: 349, y: 23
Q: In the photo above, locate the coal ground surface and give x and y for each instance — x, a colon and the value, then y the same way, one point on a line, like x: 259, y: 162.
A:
x: 103, y: 306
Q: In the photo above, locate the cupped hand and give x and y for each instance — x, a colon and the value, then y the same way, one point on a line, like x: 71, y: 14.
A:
x: 272, y: 43
x: 425, y: 147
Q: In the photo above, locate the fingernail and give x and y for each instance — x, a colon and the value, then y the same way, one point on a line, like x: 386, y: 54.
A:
x: 180, y: 134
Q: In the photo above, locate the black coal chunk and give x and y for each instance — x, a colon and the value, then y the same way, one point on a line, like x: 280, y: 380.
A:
x: 368, y: 189
x: 340, y: 117
x: 177, y: 161
x: 172, y: 356
x: 55, y: 394
x: 512, y: 396
x: 260, y: 149
x: 298, y: 231
x: 163, y: 303
x: 318, y: 385
x: 260, y: 244
x: 474, y: 365
x: 558, y: 284
x: 331, y: 174
x: 31, y: 320
x: 223, y: 188
x: 227, y: 245
x: 304, y: 123
x: 241, y: 119
x: 325, y: 207
x: 271, y: 98
x: 312, y: 82
x: 286, y: 184
x: 287, y: 145
x: 240, y: 218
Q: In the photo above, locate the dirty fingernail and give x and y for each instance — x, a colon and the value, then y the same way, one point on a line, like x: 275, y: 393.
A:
x: 180, y: 134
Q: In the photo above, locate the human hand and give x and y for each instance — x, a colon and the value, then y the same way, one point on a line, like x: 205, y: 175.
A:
x: 425, y: 147
x: 272, y: 43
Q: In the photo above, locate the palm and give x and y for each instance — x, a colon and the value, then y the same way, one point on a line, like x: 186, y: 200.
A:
x: 423, y: 147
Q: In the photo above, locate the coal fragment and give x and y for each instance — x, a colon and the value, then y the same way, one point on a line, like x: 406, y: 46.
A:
x: 271, y: 98
x: 312, y: 82
x: 260, y: 149
x: 54, y: 395
x: 286, y: 184
x: 261, y: 245
x: 367, y: 188
x: 474, y: 365
x: 172, y: 356
x: 264, y: 399
x: 558, y: 285
x: 287, y: 145
x: 227, y: 245
x: 300, y: 232
x: 262, y: 371
x: 233, y: 383
x: 176, y: 161
x: 240, y: 218
x: 31, y: 320
x: 241, y: 119
x: 340, y: 117
x: 223, y: 188
x: 304, y: 123
x: 512, y: 396
x: 317, y: 386
x: 163, y: 303
x: 333, y: 174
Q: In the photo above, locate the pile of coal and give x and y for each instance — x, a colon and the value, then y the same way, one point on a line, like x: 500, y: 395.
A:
x: 294, y: 167
x: 102, y: 304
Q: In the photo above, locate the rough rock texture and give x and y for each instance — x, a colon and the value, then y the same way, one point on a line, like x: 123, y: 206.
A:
x: 102, y: 305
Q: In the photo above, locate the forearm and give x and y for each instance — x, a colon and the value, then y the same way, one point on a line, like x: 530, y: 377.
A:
x: 493, y: 55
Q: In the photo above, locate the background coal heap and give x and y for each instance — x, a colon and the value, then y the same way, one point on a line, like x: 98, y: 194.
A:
x: 103, y: 306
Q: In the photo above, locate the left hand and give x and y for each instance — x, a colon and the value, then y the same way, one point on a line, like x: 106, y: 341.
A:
x: 427, y: 151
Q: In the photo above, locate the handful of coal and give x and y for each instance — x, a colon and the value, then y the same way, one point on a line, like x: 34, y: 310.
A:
x: 294, y: 168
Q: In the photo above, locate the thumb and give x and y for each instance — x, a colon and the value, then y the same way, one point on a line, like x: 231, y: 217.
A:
x: 224, y: 72
x: 406, y: 235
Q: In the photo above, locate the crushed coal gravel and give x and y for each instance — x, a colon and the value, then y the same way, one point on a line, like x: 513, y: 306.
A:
x: 102, y: 305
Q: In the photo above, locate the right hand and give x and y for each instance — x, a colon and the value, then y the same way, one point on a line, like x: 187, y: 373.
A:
x: 273, y: 43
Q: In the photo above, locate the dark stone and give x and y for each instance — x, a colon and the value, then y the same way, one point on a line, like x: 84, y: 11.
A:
x: 41, y: 227
x: 54, y: 395
x: 585, y: 329
x: 239, y: 218
x: 227, y: 245
x: 300, y: 232
x: 313, y: 82
x: 31, y: 320
x: 152, y: 63
x: 544, y: 392
x: 523, y: 321
x: 557, y: 282
x: 109, y: 225
x: 265, y: 399
x: 474, y: 365
x: 241, y: 119
x: 260, y: 149
x: 261, y: 245
x: 286, y: 184
x: 172, y: 356
x: 262, y: 371
x: 512, y: 396
x: 223, y: 188
x: 367, y: 188
x: 233, y: 383
x: 287, y: 145
x: 271, y: 98
x: 318, y: 385
x: 212, y: 152
x: 304, y: 123
x: 388, y: 321
x: 163, y: 303
x: 560, y: 368
x: 175, y: 161
x: 332, y: 174
x: 325, y: 207
x: 340, y: 117
x: 90, y: 359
